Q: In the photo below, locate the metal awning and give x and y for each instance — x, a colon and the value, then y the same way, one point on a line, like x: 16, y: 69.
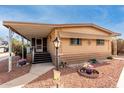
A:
x: 29, y: 30
x: 83, y: 36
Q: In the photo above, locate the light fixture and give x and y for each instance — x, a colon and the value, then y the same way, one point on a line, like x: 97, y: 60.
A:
x: 56, y: 42
x: 57, y: 45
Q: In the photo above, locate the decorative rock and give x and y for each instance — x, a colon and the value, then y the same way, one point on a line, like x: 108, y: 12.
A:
x: 90, y: 73
x: 21, y: 62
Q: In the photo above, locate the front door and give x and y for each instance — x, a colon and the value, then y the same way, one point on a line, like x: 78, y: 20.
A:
x: 39, y: 45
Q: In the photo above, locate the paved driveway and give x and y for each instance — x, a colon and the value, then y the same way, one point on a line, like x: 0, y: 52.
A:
x: 120, y: 83
x: 36, y: 71
x: 3, y: 56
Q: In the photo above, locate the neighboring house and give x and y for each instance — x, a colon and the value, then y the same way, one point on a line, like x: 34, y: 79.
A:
x: 79, y: 42
x: 3, y: 46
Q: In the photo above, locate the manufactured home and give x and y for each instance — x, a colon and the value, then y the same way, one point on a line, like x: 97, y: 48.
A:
x: 78, y: 42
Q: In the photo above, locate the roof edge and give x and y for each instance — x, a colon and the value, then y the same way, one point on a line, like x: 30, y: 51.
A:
x: 7, y: 23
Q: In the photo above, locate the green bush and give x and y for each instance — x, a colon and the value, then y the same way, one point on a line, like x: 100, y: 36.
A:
x: 93, y: 60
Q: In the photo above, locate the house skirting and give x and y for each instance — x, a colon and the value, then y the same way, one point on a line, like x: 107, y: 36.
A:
x: 79, y: 58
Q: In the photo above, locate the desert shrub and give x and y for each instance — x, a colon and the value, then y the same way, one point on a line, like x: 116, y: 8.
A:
x: 62, y: 64
x: 93, y: 60
x: 110, y: 57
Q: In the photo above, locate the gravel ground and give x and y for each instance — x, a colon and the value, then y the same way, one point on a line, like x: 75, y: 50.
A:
x: 16, y: 71
x: 109, y: 75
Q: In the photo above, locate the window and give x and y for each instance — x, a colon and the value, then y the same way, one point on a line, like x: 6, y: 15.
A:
x: 39, y: 42
x: 100, y: 42
x: 75, y: 41
x: 33, y: 41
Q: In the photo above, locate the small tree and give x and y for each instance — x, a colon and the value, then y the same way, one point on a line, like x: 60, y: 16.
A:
x: 17, y: 47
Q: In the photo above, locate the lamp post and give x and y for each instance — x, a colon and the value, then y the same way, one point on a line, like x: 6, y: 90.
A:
x: 57, y: 45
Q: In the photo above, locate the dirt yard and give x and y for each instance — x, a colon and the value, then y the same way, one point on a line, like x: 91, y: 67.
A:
x: 108, y: 77
x: 6, y: 76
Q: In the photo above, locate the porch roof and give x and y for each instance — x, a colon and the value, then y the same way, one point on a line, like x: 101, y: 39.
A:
x: 29, y: 30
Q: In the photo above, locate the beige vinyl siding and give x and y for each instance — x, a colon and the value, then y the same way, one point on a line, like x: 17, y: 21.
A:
x: 85, y: 47
x: 86, y: 50
x: 83, y: 57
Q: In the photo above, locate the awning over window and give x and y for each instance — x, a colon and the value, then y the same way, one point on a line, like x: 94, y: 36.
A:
x: 83, y: 36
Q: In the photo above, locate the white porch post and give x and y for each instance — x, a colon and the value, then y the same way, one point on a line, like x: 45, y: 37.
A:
x: 10, y: 51
x: 33, y: 54
x: 27, y: 42
x: 22, y: 48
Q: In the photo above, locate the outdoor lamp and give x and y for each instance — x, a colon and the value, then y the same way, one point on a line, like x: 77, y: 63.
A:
x: 56, y: 42
x: 57, y: 45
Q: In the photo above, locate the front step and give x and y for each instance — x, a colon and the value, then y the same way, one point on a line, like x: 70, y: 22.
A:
x: 42, y: 58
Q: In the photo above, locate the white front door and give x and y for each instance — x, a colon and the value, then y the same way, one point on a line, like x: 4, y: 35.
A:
x: 39, y: 45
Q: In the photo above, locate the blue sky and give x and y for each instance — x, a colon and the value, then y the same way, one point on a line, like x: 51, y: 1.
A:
x: 110, y: 17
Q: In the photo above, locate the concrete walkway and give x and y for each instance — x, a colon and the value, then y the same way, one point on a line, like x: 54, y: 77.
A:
x: 120, y: 83
x: 36, y: 71
x: 4, y: 56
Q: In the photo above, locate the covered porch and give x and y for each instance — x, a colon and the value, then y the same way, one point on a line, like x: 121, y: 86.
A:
x: 37, y: 34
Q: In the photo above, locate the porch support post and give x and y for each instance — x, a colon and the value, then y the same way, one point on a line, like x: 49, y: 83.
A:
x: 10, y: 51
x: 32, y: 44
x: 27, y: 42
x: 22, y: 48
x: 32, y: 54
